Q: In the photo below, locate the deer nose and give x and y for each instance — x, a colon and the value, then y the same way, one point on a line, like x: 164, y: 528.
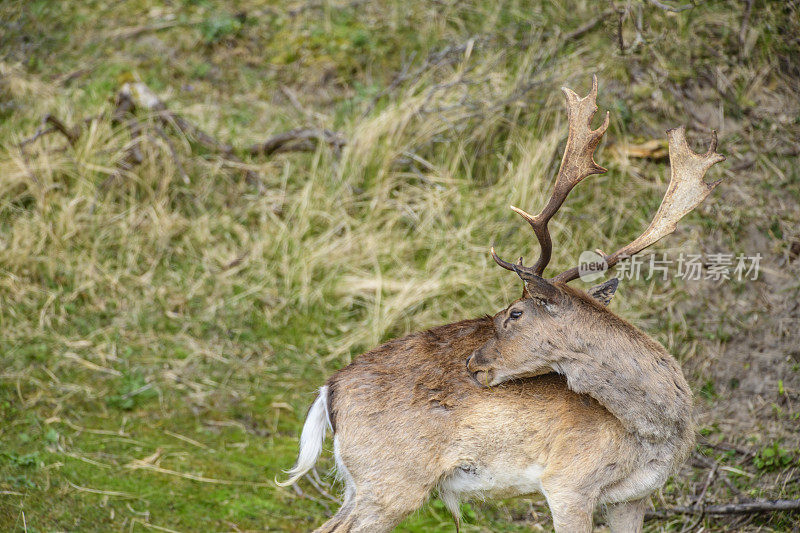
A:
x: 477, y: 367
x: 473, y: 361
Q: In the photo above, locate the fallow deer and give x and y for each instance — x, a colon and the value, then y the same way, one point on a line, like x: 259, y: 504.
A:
x: 554, y: 394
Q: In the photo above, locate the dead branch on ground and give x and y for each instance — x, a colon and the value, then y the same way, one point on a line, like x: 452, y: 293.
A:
x: 136, y: 104
x: 667, y: 7
x: 298, y: 140
x: 56, y: 125
x: 757, y: 506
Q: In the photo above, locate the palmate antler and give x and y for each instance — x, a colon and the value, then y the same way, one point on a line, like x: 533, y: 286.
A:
x: 577, y: 164
x: 686, y: 188
x: 686, y: 191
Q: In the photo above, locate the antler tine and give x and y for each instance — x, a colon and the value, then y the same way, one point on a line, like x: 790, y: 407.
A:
x: 500, y: 261
x: 576, y: 164
x: 686, y: 191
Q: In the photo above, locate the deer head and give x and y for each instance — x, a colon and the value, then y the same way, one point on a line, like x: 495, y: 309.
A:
x: 550, y: 324
x: 553, y: 323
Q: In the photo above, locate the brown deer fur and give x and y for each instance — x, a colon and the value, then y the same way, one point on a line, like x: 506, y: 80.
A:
x: 554, y: 394
x: 411, y: 419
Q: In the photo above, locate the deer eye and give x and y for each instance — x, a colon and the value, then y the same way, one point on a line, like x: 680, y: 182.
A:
x: 515, y: 314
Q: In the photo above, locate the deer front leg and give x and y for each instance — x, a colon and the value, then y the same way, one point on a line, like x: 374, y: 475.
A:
x: 626, y: 517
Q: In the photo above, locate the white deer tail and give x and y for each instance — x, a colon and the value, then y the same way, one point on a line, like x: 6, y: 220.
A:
x: 311, y: 439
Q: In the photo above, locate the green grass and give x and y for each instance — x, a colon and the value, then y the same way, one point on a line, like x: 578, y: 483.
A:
x: 162, y: 340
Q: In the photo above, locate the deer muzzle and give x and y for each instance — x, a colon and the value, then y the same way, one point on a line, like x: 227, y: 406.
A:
x: 479, y: 368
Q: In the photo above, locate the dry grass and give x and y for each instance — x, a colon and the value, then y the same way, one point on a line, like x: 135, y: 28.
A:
x: 162, y: 338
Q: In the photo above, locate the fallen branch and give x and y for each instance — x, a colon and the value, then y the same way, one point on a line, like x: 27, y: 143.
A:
x: 134, y: 97
x: 71, y: 134
x: 672, y: 9
x: 57, y: 126
x: 174, y: 153
x: 123, y: 113
x: 102, y: 492
x: 131, y: 33
x: 292, y: 97
x: 748, y: 8
x: 762, y: 506
x: 299, y: 10
x: 586, y: 28
x: 298, y: 140
x: 67, y: 78
x: 143, y: 97
x: 135, y: 155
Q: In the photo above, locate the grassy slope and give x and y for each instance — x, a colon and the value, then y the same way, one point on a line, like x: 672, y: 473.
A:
x: 156, y: 330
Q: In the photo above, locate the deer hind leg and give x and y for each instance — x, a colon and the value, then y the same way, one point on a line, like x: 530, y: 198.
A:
x: 572, y: 512
x: 373, y: 509
x: 340, y: 522
x: 626, y: 517
x: 366, y: 515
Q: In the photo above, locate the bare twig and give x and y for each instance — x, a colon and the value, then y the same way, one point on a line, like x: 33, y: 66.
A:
x: 173, y: 152
x: 43, y: 130
x: 667, y: 7
x: 56, y: 125
x: 67, y: 78
x: 701, y: 499
x: 124, y: 106
x: 123, y: 113
x: 102, y: 492
x: 303, y: 495
x: 144, y: 465
x: 236, y: 261
x: 321, y: 5
x: 292, y: 97
x: 586, y: 28
x: 761, y: 506
x: 748, y: 8
x: 693, y: 525
x: 130, y: 33
x: 136, y: 96
x: 297, y: 140
x: 143, y: 97
x: 71, y: 134
x: 134, y: 152
x: 400, y: 78
x: 446, y: 56
x: 321, y: 490
x: 724, y: 446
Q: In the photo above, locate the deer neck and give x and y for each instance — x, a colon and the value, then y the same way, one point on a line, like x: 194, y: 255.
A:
x: 637, y: 380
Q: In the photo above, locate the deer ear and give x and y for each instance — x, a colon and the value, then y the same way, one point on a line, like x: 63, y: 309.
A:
x: 538, y: 287
x: 605, y: 291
